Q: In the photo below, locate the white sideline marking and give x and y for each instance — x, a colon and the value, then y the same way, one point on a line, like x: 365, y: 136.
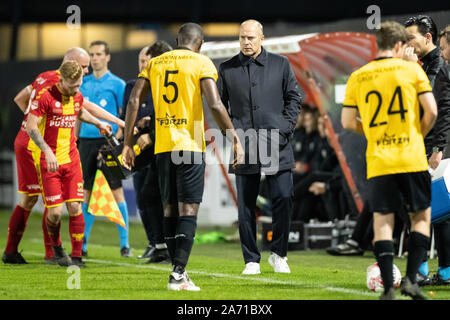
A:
x: 224, y: 275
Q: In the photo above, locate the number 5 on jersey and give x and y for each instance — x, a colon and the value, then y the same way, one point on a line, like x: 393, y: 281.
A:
x: 168, y: 83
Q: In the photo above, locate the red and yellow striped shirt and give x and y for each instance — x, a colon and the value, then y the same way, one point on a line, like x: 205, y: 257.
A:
x: 59, y: 114
x: 42, y: 83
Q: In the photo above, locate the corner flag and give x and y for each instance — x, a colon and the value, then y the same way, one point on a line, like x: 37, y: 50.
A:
x: 102, y: 202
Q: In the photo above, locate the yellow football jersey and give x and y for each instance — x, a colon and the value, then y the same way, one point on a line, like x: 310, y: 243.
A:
x: 385, y: 92
x: 175, y: 84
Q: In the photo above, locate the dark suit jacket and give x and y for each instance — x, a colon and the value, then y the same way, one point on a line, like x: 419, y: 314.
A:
x: 438, y: 74
x: 261, y: 93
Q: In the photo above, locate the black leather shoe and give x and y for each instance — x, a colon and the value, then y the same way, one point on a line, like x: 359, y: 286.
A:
x: 438, y: 281
x: 411, y: 289
x: 76, y: 261
x: 61, y: 256
x: 390, y: 295
x: 423, y: 280
x: 147, y: 253
x: 14, y: 258
x: 159, y: 256
x: 125, y: 252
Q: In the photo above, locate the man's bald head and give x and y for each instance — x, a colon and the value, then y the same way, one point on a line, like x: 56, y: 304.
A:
x: 250, y: 38
x: 251, y: 23
x: 143, y: 58
x: 144, y: 50
x: 79, y: 55
x: 191, y: 36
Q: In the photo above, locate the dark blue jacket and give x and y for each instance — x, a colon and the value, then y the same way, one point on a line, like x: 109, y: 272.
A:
x: 261, y: 93
x: 438, y: 74
x: 145, y: 109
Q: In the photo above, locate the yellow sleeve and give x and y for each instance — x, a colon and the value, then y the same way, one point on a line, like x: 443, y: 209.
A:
x: 146, y: 72
x: 350, y: 94
x: 422, y: 83
x: 208, y: 69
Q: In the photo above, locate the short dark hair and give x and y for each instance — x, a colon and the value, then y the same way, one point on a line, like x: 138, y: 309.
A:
x: 390, y: 33
x: 445, y: 33
x: 158, y: 48
x: 424, y: 25
x: 99, y: 43
x: 190, y: 33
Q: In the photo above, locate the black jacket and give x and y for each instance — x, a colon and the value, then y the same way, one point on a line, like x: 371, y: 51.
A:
x: 439, y: 75
x: 261, y: 93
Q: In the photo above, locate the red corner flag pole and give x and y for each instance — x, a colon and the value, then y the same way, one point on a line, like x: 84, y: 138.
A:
x: 224, y: 170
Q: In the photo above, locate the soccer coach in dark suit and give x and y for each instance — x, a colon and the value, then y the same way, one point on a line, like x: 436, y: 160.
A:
x: 261, y: 94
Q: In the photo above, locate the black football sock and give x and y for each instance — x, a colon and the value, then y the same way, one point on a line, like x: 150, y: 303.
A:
x: 442, y: 237
x: 418, y: 245
x: 184, y: 239
x: 170, y: 230
x: 384, y: 252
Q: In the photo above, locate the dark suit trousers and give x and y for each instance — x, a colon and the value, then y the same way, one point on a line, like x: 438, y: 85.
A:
x: 280, y: 187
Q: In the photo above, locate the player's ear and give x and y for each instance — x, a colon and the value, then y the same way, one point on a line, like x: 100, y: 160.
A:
x: 398, y: 50
x: 429, y: 37
x: 200, y: 45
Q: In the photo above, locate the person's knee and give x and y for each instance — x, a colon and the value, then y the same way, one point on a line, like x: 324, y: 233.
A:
x: 171, y: 210
x: 74, y: 208
x: 86, y: 196
x: 420, y: 221
x: 54, y: 214
x: 118, y: 195
x: 188, y: 209
x: 28, y: 202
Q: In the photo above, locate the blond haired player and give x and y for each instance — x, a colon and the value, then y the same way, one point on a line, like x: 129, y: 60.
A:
x: 27, y: 178
x: 50, y: 125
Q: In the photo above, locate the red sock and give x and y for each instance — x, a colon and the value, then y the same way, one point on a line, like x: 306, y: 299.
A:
x: 76, y: 230
x: 17, y: 225
x: 53, y: 232
x: 47, y: 240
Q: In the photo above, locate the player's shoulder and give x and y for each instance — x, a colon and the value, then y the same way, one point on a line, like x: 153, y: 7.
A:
x: 49, y: 95
x: 116, y: 79
x: 131, y: 83
x: 273, y: 57
x: 45, y: 77
x: 49, y: 74
x: 88, y: 78
x: 231, y: 62
x: 78, y: 97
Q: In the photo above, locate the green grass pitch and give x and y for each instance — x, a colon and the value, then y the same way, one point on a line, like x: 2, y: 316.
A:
x: 214, y: 267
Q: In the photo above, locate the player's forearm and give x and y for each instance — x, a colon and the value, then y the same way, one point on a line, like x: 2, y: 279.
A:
x: 427, y: 123
x: 130, y: 118
x: 358, y: 126
x: 430, y: 112
x: 22, y: 98
x: 223, y: 120
x: 353, y: 125
x: 138, y: 94
x: 36, y: 136
x: 86, y: 117
x: 101, y: 113
x: 350, y: 120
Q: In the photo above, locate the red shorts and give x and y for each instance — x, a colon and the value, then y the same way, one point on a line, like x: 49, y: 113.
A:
x: 26, y: 169
x: 65, y: 185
